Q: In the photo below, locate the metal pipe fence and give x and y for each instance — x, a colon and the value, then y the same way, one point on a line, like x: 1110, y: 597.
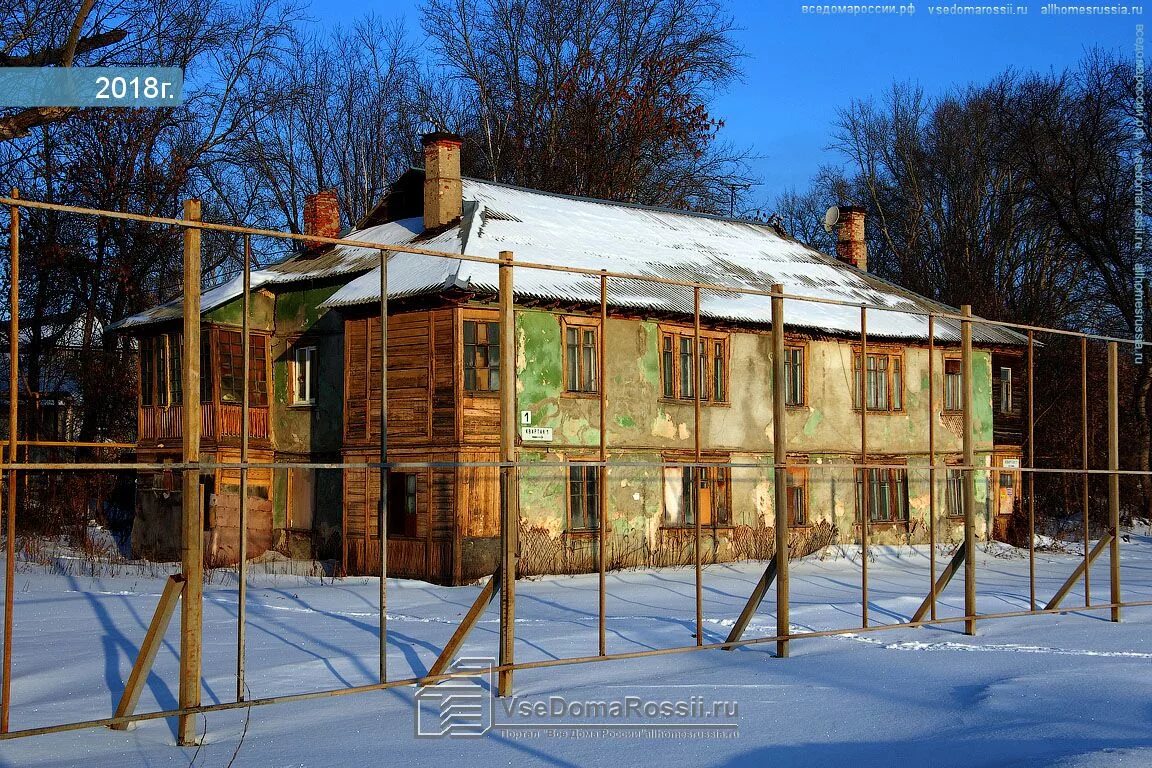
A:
x: 187, y: 589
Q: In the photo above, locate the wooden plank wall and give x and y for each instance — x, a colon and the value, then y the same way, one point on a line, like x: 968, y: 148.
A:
x: 421, y: 396
x: 428, y: 555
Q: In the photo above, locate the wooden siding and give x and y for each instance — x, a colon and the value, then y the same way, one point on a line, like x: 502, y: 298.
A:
x: 420, y: 379
x: 479, y: 497
x: 1008, y: 428
x: 428, y: 554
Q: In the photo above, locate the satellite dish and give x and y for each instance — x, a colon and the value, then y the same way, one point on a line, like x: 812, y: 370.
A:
x: 831, y: 218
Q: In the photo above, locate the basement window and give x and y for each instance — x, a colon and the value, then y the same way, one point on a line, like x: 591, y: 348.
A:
x: 703, y: 488
x: 887, y: 491
x: 883, y: 381
x: 678, y: 379
x: 583, y: 497
x: 797, y: 493
x: 954, y: 493
x: 481, y: 356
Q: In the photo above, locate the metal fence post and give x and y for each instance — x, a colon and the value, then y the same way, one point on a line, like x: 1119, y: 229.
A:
x: 780, y: 459
x: 866, y: 484
x: 969, y: 473
x: 1031, y: 476
x: 1114, y: 476
x: 383, y: 522
x: 602, y: 472
x: 242, y: 547
x: 1084, y: 462
x: 932, y: 464
x: 192, y: 520
x: 509, y: 512
x: 697, y: 469
x: 13, y: 423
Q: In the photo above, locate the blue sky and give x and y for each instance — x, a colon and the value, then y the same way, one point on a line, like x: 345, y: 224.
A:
x: 802, y: 67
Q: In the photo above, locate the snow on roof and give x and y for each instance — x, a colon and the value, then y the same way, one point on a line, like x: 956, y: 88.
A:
x: 592, y: 234
x: 341, y: 260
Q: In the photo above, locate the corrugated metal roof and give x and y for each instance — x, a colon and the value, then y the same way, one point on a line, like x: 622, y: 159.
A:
x: 590, y: 234
x: 561, y: 230
x: 341, y: 260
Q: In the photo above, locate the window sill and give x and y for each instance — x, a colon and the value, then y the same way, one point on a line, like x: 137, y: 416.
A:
x: 303, y: 406
x: 887, y: 524
x: 581, y: 395
x: 691, y: 402
x: 703, y: 527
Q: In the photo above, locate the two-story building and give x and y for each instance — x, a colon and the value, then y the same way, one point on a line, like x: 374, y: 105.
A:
x: 316, y: 389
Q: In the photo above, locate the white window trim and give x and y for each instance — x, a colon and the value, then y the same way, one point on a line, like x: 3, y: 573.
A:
x: 309, y: 354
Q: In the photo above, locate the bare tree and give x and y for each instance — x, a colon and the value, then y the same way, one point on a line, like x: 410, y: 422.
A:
x: 606, y: 98
x: 46, y: 33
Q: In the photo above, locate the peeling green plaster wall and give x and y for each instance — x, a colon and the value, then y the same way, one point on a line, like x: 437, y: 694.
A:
x: 641, y: 425
x: 300, y: 431
x: 232, y: 313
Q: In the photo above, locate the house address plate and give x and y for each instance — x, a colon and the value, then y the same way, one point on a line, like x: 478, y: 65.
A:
x: 536, y: 434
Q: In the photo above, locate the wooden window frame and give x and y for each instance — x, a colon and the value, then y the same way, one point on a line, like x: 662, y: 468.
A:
x: 797, y: 477
x: 478, y: 316
x: 680, y: 335
x: 954, y: 466
x: 147, y: 396
x: 588, y: 470
x: 803, y: 348
x: 896, y: 478
x: 581, y: 325
x: 257, y: 374
x: 312, y: 381
x: 720, y: 502
x: 1001, y: 409
x: 895, y: 357
x: 958, y: 406
x: 161, y: 376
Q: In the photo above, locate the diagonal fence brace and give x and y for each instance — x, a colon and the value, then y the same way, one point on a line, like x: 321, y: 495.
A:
x: 753, y: 604
x: 173, y: 590
x: 942, y: 582
x: 1077, y: 574
x: 467, y: 624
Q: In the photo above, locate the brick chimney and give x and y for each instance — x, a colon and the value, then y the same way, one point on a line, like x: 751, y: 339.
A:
x: 850, y: 245
x: 443, y: 194
x: 321, y: 217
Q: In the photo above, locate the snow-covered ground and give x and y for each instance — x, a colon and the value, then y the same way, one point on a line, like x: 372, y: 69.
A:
x: 1069, y: 690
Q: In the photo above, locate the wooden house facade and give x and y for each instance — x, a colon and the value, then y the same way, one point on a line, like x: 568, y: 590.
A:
x: 318, y: 312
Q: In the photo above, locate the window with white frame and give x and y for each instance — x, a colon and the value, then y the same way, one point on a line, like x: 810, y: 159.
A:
x: 304, y: 376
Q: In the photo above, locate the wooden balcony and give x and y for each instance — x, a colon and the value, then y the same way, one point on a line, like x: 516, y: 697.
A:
x: 217, y: 422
